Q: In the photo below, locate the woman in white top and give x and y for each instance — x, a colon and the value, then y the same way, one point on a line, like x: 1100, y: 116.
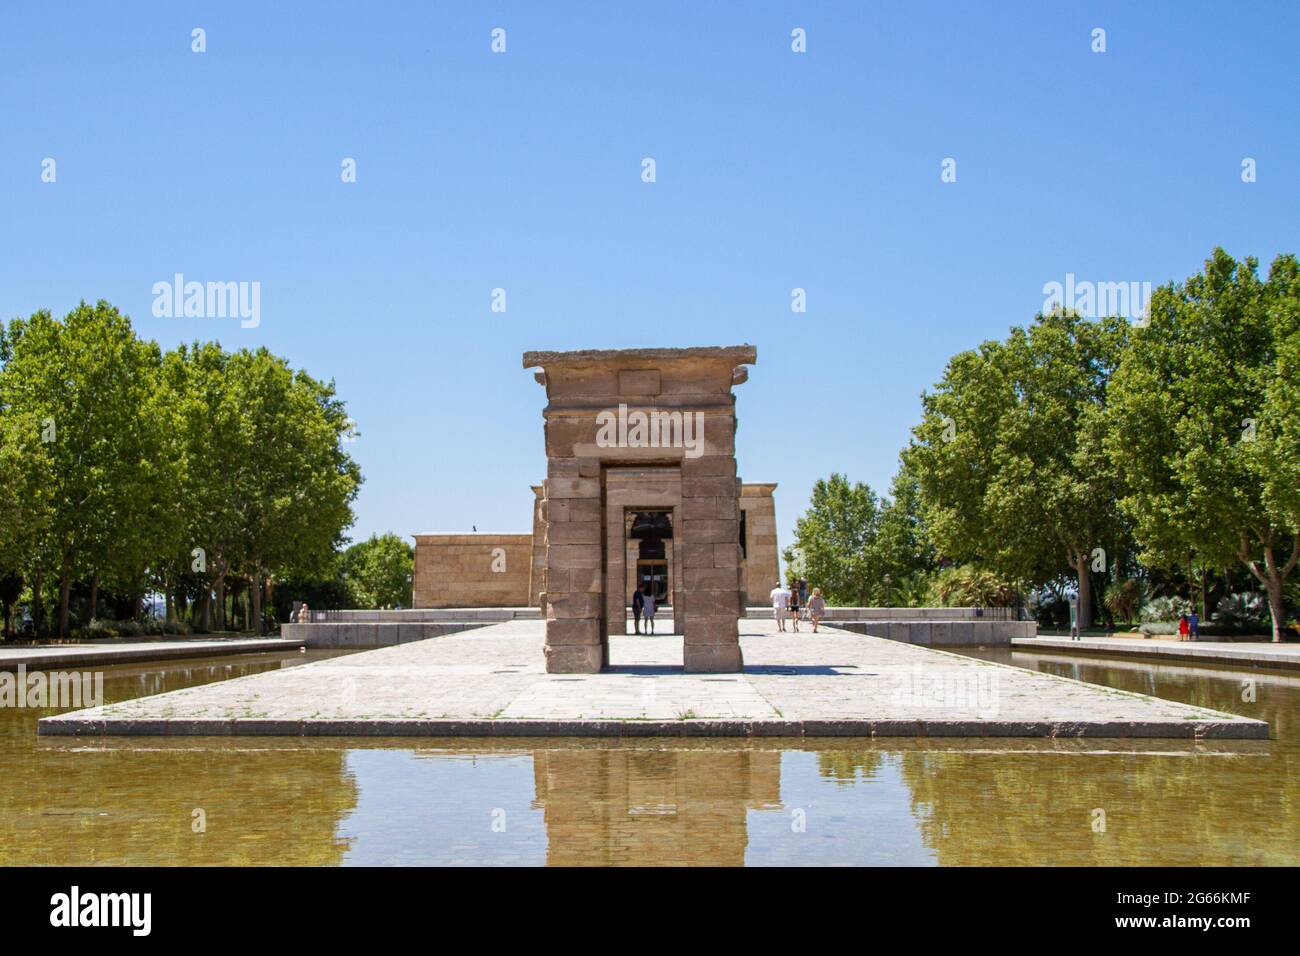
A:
x: 648, y: 612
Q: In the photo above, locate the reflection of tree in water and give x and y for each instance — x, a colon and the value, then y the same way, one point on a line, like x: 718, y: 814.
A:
x: 1037, y: 808
x: 652, y: 807
x: 90, y: 802
x: 135, y: 807
x: 848, y: 767
x: 1277, y: 695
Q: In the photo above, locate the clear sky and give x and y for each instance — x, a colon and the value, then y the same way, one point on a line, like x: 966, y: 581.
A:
x: 522, y: 171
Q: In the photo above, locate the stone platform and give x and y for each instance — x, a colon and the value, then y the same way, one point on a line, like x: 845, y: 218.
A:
x: 51, y: 656
x: 491, y: 682
x: 1244, y: 653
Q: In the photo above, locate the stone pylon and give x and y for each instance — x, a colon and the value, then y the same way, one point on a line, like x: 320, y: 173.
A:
x: 633, y: 430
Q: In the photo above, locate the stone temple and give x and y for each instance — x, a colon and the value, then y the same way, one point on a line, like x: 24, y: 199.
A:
x: 640, y: 489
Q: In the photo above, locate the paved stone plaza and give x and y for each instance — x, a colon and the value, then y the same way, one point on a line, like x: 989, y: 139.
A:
x: 491, y: 681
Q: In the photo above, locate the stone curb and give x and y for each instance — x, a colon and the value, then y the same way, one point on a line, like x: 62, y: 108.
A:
x: 1141, y: 649
x: 107, y: 655
x: 1244, y: 729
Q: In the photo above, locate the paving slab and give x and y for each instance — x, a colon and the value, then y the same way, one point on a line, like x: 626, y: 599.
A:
x: 490, y: 682
x: 1251, y: 654
x: 127, y: 652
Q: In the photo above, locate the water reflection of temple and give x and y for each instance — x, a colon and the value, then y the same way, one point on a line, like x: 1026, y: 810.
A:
x: 645, y: 807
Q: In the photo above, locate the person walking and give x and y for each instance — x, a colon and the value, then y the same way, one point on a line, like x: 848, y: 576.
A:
x: 1183, y: 627
x: 638, y: 604
x: 648, y: 609
x: 780, y: 603
x: 803, y: 592
x: 1194, y: 626
x: 794, y: 605
x: 816, y: 608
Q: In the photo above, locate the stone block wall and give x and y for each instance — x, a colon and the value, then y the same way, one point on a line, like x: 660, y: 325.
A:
x: 574, y: 602
x: 963, y: 632
x: 711, y: 567
x: 376, y: 634
x: 472, y: 570
x: 537, y: 582
x: 762, y: 561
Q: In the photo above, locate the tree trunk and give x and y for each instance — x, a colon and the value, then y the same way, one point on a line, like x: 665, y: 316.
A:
x: 219, y: 586
x: 220, y: 606
x: 135, y: 593
x: 205, y: 608
x: 65, y: 588
x: 1274, y: 588
x: 1205, y: 594
x: 1085, y: 591
x: 38, y: 606
x: 94, y: 595
x: 255, y: 596
x: 1272, y: 577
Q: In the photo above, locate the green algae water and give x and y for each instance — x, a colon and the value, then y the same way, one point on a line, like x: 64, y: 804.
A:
x: 291, y: 801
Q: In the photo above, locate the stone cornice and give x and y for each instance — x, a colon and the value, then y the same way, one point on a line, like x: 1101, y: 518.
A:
x: 735, y: 354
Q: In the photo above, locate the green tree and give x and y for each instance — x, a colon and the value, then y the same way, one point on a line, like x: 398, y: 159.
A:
x: 198, y: 389
x: 24, y: 502
x: 834, y: 538
x: 903, y: 551
x: 379, y: 571
x: 862, y: 550
x: 1009, y: 453
x: 1204, y: 422
x: 86, y: 381
x: 294, y: 484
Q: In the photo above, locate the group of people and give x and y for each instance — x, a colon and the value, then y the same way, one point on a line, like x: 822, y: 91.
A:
x: 788, y: 603
x: 1189, y: 627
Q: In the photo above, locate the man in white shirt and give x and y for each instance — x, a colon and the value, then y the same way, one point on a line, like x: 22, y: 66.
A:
x: 780, y: 605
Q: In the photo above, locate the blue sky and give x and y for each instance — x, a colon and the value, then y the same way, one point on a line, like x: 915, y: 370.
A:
x: 522, y: 171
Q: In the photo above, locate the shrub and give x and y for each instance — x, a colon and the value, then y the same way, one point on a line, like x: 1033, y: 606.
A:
x: 1245, y: 610
x: 969, y: 586
x: 1125, y: 598
x: 152, y: 627
x: 96, y: 630
x: 1164, y: 609
x: 1052, y: 612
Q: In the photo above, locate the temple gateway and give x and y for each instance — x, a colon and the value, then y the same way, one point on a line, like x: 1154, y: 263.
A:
x: 640, y: 489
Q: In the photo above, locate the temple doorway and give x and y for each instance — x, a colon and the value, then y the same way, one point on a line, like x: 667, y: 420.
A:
x: 651, y: 534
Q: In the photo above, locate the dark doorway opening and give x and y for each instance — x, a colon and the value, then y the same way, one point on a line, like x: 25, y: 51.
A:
x: 653, y: 530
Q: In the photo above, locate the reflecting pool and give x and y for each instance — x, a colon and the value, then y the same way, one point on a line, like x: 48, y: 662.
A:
x: 945, y: 802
